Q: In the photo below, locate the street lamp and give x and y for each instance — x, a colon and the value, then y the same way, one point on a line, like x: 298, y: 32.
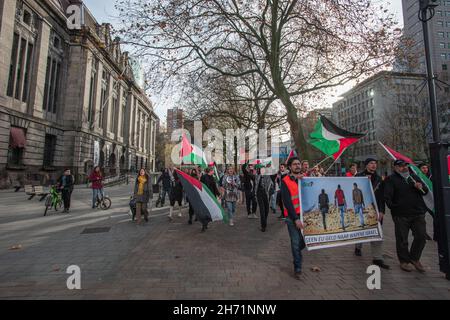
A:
x: 428, y: 4
x: 438, y: 151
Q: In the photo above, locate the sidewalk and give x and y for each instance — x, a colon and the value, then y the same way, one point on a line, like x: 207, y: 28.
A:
x: 164, y: 260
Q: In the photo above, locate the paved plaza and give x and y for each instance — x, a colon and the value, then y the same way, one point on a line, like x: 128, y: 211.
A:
x: 174, y: 260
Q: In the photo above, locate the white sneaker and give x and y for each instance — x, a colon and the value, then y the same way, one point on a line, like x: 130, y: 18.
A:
x: 250, y: 216
x: 255, y: 216
x: 231, y: 222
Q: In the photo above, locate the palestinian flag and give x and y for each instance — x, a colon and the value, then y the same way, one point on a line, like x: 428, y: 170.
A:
x: 332, y: 140
x: 448, y: 166
x: 191, y: 154
x: 203, y: 201
x: 292, y: 154
x: 428, y: 198
x: 262, y: 163
x: 216, y: 173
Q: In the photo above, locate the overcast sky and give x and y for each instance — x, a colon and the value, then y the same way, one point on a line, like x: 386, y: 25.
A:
x: 103, y: 11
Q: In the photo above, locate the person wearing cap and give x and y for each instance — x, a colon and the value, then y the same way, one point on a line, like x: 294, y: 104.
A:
x: 378, y: 189
x: 403, y: 195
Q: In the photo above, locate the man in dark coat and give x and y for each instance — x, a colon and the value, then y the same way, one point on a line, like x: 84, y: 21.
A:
x: 378, y: 189
x: 210, y: 182
x: 404, y: 193
x: 66, y: 183
x: 248, y: 184
x: 166, y: 180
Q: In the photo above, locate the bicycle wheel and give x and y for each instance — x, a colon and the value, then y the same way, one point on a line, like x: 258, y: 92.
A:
x: 105, y: 204
x: 48, y: 204
x: 58, y: 205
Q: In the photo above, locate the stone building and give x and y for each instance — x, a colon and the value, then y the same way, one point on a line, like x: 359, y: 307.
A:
x: 439, y: 37
x: 68, y: 97
x: 174, y: 120
x: 389, y: 107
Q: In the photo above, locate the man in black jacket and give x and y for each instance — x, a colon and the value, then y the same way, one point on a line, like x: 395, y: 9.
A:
x: 378, y: 189
x: 66, y: 183
x: 210, y: 182
x: 403, y: 194
x: 248, y: 183
x: 166, y: 180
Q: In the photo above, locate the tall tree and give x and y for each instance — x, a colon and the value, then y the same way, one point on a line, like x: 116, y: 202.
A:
x: 308, y: 45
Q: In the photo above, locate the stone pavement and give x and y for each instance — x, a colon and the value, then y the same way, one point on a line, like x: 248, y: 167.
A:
x: 173, y: 260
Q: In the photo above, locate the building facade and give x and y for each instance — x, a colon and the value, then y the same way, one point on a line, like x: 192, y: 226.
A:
x: 68, y: 98
x: 174, y: 120
x: 387, y: 107
x: 439, y: 35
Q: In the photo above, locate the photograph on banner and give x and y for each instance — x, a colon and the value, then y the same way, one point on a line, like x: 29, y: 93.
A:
x: 338, y: 211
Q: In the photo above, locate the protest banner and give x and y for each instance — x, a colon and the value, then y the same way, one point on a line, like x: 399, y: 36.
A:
x: 338, y: 211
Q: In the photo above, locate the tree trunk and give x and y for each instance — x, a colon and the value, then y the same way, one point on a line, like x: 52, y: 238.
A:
x: 297, y: 132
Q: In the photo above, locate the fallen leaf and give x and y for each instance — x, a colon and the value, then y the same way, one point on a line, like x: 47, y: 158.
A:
x: 16, y: 247
x: 316, y: 269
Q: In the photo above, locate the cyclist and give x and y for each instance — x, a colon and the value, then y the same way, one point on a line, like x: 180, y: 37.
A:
x: 96, y: 178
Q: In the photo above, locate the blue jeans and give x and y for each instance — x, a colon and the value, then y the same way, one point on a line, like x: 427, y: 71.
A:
x: 359, y: 210
x: 342, y: 212
x: 162, y: 196
x: 297, y: 244
x: 231, y: 206
x: 273, y: 201
x: 95, y: 193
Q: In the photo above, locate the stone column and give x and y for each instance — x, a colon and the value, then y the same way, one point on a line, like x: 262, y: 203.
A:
x: 145, y: 134
x: 39, y: 71
x: 8, y: 14
x: 98, y: 97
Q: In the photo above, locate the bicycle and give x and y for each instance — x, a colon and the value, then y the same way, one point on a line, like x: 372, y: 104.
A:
x: 104, y: 202
x: 53, y: 200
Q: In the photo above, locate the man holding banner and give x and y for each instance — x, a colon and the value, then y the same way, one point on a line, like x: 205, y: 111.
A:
x: 378, y: 189
x: 291, y: 200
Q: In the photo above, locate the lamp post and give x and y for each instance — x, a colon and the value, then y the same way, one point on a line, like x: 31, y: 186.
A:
x: 438, y: 150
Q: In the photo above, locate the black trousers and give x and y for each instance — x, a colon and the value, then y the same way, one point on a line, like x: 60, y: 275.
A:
x: 280, y: 202
x: 191, y: 212
x: 66, y: 195
x: 417, y: 225
x: 250, y: 202
x: 263, y: 203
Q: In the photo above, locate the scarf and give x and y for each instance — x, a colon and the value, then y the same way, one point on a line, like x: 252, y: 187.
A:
x: 141, y: 181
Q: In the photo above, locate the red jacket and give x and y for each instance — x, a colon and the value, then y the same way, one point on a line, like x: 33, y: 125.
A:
x: 349, y: 174
x: 96, y: 180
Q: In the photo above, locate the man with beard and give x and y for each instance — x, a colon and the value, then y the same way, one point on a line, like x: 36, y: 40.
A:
x: 403, y: 195
x: 378, y: 189
x: 291, y: 201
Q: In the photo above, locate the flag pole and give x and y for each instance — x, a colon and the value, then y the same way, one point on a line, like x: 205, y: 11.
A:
x: 334, y: 162
x: 330, y: 167
x: 322, y: 161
